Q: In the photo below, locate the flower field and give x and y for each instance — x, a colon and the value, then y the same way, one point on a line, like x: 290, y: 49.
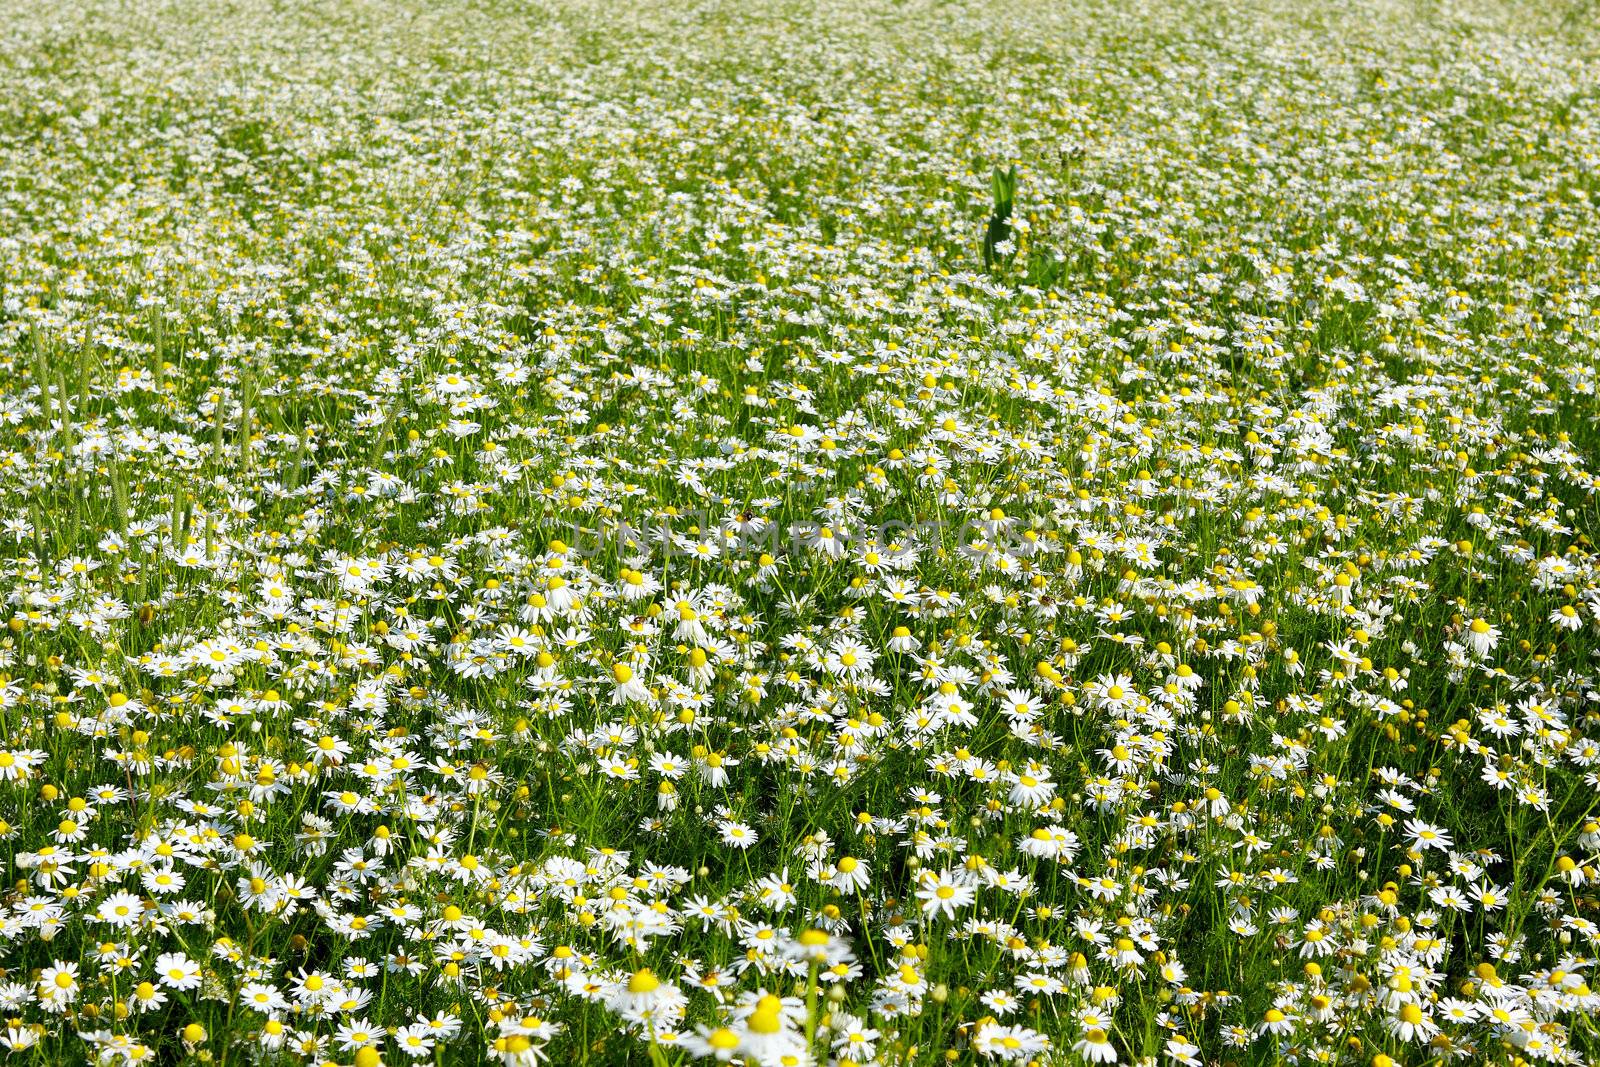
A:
x: 777, y: 533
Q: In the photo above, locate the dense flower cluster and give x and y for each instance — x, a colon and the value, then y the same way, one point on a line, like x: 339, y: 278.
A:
x: 534, y: 532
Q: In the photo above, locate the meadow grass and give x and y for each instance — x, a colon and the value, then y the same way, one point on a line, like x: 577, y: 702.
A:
x: 799, y: 533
